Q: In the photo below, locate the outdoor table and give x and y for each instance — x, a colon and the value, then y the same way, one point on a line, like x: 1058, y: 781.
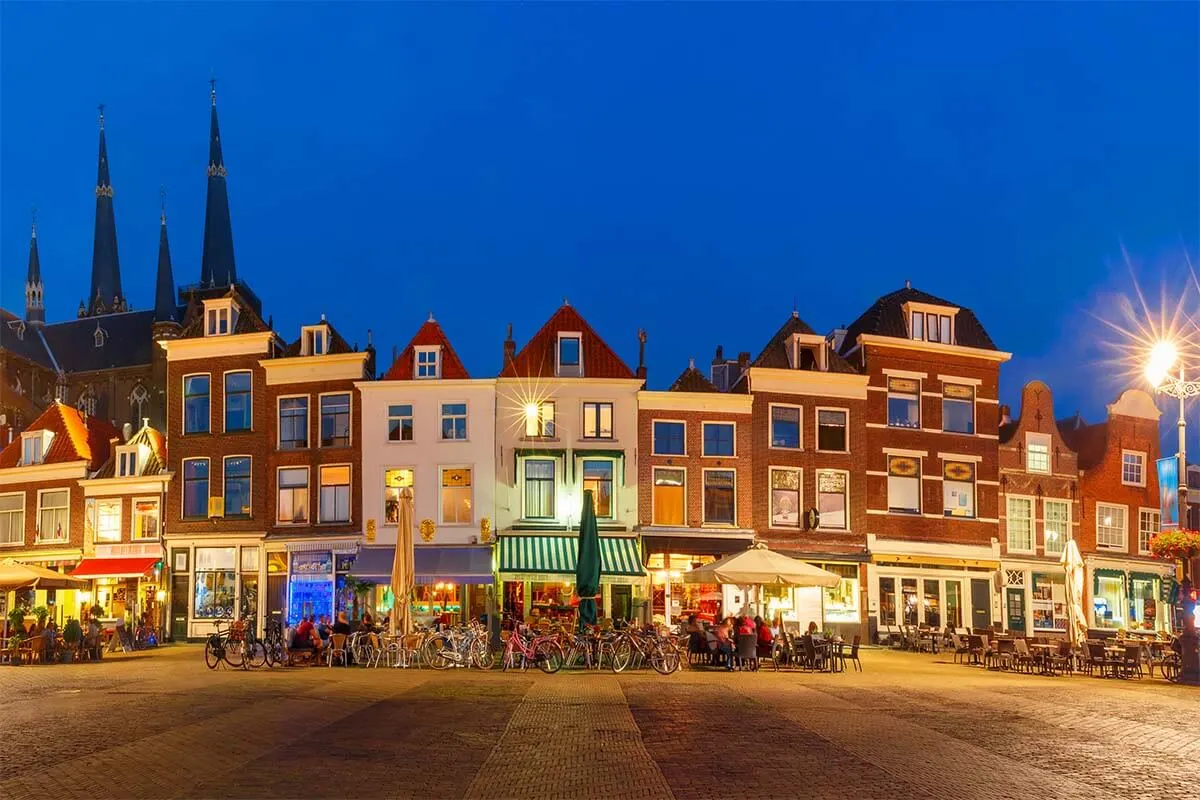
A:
x: 932, y: 636
x: 1041, y: 652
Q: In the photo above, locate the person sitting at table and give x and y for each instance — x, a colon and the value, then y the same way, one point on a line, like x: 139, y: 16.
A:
x: 693, y: 624
x: 746, y: 626
x: 724, y: 647
x: 306, y: 636
x: 367, y: 623
x: 342, y: 625
x: 49, y: 636
x: 765, y: 637
x: 813, y: 630
x: 323, y: 628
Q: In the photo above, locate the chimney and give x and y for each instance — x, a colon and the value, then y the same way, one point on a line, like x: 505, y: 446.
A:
x: 510, y: 347
x: 719, y: 358
x: 641, y: 368
x: 836, y: 337
x: 1005, y: 414
x: 370, y: 365
x: 127, y: 431
x: 743, y: 362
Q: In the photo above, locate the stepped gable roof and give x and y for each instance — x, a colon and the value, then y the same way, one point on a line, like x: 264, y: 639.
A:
x: 692, y: 380
x: 429, y: 334
x: 885, y: 317
x: 337, y: 343
x: 76, y: 438
x: 537, y: 358
x: 156, y: 464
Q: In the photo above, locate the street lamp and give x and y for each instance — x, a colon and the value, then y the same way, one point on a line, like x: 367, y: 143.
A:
x: 1163, y: 357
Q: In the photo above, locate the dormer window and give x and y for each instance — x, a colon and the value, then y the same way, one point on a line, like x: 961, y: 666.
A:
x: 99, y: 336
x: 808, y: 352
x: 428, y: 362
x: 931, y: 323
x: 314, y: 341
x: 220, y: 316
x: 128, y: 461
x: 34, y: 446
x: 570, y: 355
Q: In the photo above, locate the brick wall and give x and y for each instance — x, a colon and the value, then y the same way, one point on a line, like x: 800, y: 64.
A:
x: 75, y: 522
x: 1101, y: 482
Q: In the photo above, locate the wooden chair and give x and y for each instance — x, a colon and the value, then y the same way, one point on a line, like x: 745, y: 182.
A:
x: 1022, y: 658
x: 961, y: 648
x: 1132, y: 663
x: 337, y: 650
x: 746, y: 651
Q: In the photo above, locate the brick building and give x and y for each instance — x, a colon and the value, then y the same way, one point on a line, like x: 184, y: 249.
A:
x: 42, y: 505
x: 695, y: 500
x: 931, y: 469
x: 1118, y: 486
x: 809, y: 413
x: 1040, y: 511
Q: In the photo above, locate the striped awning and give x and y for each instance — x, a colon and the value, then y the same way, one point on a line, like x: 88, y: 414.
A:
x: 557, y: 554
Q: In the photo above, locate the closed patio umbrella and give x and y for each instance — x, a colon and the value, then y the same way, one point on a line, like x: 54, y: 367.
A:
x: 1072, y: 563
x: 402, y: 567
x: 19, y: 575
x: 587, y: 565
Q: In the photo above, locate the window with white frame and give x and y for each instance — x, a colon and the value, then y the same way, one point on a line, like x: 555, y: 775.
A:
x: 833, y: 498
x: 832, y: 433
x: 12, y: 519
x: 33, y: 447
x: 570, y: 355
x: 539, y: 420
x: 785, y: 427
x: 146, y: 517
x: 195, y: 488
x: 958, y: 408
x: 670, y: 496
x: 720, y: 506
x: 718, y: 438
x: 904, y: 484
x: 597, y: 420
x: 931, y: 326
x: 598, y: 477
x: 904, y: 403
x: 237, y: 486
x: 292, y: 508
x: 454, y: 422
x: 456, y: 496
x: 315, y: 341
x: 238, y: 406
x: 293, y: 423
x: 395, y: 481
x: 335, y: 420
x: 539, y: 488
x: 108, y: 520
x: 219, y: 318
x: 1133, y: 468
x: 195, y: 404
x: 127, y: 461
x: 669, y: 438
x: 1020, y: 524
x: 427, y: 363
x: 334, y: 496
x: 1111, y: 531
x: 786, y: 510
x: 958, y: 489
x: 1148, y: 527
x: 1037, y: 452
x: 54, y: 515
x: 400, y: 422
x: 1056, y: 523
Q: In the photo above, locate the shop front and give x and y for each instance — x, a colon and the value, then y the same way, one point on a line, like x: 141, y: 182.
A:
x: 315, y: 574
x: 1034, y: 597
x: 127, y: 583
x: 60, y: 603
x: 212, y: 581
x: 537, y: 577
x: 1127, y: 596
x: 451, y: 581
x: 938, y: 585
x: 669, y: 557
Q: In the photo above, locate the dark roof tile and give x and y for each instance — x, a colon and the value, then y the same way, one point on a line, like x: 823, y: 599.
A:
x: 885, y: 317
x: 537, y: 358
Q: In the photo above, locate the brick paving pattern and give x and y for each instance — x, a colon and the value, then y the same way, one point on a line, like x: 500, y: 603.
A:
x: 160, y: 725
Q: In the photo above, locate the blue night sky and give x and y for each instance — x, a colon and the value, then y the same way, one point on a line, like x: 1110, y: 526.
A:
x: 690, y: 169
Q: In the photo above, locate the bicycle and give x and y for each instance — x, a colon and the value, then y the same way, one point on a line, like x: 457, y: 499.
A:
x: 225, y: 645
x: 544, y: 650
x: 647, y: 647
x: 272, y: 643
x: 458, y: 647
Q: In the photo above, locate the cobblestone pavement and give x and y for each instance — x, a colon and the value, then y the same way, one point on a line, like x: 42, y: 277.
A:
x: 160, y: 725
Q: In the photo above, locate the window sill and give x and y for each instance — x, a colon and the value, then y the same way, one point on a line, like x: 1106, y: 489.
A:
x: 719, y: 525
x: 732, y: 456
x: 237, y: 431
x: 13, y: 544
x: 197, y: 434
x: 903, y: 512
x: 140, y: 539
x: 1134, y: 485
x: 237, y: 517
x: 400, y: 441
x: 334, y: 446
x: 328, y: 523
x: 452, y: 441
x: 834, y: 452
x: 821, y: 529
x: 1108, y: 548
x: 958, y: 433
x: 669, y: 455
x: 785, y: 448
x: 196, y: 519
x: 51, y: 541
x: 298, y: 448
x: 599, y: 439
x: 292, y: 524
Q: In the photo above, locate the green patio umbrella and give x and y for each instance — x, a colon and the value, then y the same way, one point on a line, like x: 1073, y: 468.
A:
x: 587, y: 566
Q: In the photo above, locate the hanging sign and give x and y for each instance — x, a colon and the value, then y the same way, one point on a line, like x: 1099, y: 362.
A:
x: 1168, y: 492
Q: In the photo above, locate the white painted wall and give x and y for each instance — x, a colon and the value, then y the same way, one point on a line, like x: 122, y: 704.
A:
x: 427, y: 454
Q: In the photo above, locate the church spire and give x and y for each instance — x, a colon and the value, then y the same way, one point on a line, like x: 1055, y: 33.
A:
x: 106, y: 294
x: 216, y: 264
x: 35, y: 310
x: 165, y: 309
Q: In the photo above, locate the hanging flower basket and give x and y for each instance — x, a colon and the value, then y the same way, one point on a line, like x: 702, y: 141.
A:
x: 1176, y: 545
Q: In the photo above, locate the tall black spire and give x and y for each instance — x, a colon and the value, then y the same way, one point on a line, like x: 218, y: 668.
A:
x: 106, y: 294
x: 35, y: 310
x: 165, y: 309
x: 216, y: 264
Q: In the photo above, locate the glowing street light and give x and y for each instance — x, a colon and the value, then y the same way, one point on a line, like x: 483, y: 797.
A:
x: 1162, y: 357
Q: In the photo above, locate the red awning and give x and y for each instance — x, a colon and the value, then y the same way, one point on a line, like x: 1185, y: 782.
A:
x: 114, y: 567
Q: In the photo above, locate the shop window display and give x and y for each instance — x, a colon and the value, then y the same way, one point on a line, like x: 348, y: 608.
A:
x: 1108, y: 601
x: 841, y: 601
x: 216, y: 582
x: 1049, y: 602
x: 310, y: 585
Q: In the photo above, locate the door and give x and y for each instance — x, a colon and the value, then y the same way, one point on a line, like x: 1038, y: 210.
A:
x: 622, y: 601
x: 981, y: 604
x: 179, y: 608
x: 277, y: 598
x: 1015, y: 603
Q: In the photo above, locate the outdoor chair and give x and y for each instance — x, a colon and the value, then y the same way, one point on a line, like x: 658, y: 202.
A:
x: 814, y: 657
x: 1061, y: 660
x: 697, y: 648
x: 337, y: 650
x: 746, y: 651
x: 852, y: 655
x: 961, y: 648
x: 1132, y: 663
x: 1097, y: 659
x: 1021, y: 658
x: 976, y: 646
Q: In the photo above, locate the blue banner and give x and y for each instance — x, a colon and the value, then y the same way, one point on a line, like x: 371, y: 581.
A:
x: 1168, y: 492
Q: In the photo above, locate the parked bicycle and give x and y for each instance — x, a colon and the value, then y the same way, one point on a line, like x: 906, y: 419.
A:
x: 458, y: 647
x: 637, y: 648
x: 544, y: 651
x: 235, y: 645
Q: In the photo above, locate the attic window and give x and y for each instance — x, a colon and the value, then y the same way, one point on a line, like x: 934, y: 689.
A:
x: 220, y: 317
x: 931, y: 323
x: 570, y: 355
x: 314, y: 341
x: 427, y: 363
x: 34, y: 446
x: 809, y: 352
x: 99, y: 336
x: 127, y: 461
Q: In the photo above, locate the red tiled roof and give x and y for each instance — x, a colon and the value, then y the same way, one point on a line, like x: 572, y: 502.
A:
x: 75, y: 438
x: 429, y: 334
x: 537, y: 357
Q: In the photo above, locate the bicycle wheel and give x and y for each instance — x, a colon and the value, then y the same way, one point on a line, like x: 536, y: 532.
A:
x: 435, y: 653
x: 622, y: 654
x: 549, y: 656
x: 256, y: 654
x: 213, y: 652
x: 664, y: 660
x: 482, y: 656
x: 235, y: 654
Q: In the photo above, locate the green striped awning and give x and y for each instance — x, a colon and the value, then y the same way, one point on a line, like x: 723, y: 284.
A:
x: 618, y: 556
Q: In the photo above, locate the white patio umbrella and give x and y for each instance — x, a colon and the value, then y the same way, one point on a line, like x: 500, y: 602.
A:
x: 403, y: 567
x: 1072, y: 563
x: 19, y: 575
x: 760, y: 566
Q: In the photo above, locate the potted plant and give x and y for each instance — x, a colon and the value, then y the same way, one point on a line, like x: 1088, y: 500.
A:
x: 41, y: 612
x: 16, y: 633
x: 97, y: 611
x: 357, y: 589
x: 72, y: 636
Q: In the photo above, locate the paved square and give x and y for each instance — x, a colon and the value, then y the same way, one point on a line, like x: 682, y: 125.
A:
x: 161, y: 725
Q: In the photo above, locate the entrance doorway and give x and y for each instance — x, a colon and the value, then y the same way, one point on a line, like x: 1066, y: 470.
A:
x: 179, y: 608
x: 981, y: 604
x: 622, y: 601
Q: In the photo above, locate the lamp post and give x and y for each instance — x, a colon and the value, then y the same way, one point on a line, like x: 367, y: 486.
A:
x: 1159, y: 373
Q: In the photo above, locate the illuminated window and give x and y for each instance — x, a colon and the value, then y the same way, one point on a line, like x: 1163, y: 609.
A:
x: 1037, y: 452
x: 335, y: 494
x: 539, y: 419
x: 1110, y: 527
x: 904, y: 403
x: 456, y: 496
x: 1057, y: 525
x: 669, y: 497
x: 292, y: 508
x: 904, y: 484
x: 145, y: 518
x: 1020, y: 524
x: 108, y: 521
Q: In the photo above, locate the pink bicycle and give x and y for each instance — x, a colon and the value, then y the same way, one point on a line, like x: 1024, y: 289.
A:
x: 545, y: 651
